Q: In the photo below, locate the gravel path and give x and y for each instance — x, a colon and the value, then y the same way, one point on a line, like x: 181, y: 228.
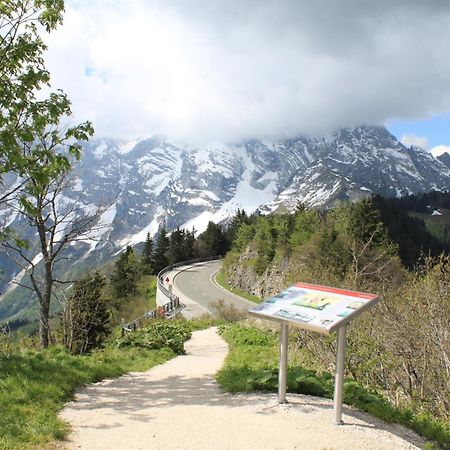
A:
x: 178, y: 405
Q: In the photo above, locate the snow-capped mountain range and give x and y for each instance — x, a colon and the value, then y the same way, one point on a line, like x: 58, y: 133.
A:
x: 151, y: 182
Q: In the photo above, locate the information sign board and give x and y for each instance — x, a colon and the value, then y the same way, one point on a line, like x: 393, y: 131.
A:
x: 317, y: 308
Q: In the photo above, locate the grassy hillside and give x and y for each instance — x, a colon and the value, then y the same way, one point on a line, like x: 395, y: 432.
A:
x: 137, y: 304
x: 437, y: 225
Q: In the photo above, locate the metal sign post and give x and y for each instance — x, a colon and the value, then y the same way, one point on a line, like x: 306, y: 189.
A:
x: 282, y: 373
x: 315, y: 308
x: 339, y: 376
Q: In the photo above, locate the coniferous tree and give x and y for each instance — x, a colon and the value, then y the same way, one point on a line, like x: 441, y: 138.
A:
x: 238, y: 219
x: 147, y: 256
x: 86, y: 316
x: 410, y: 233
x: 175, y: 251
x: 188, y: 245
x: 126, y: 275
x: 300, y: 207
x: 160, y: 254
x: 212, y: 241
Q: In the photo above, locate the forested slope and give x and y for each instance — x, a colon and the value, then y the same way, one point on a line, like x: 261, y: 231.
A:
x: 401, y: 347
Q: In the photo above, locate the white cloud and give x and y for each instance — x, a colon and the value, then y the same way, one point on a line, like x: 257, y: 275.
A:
x: 440, y: 149
x: 221, y: 70
x: 412, y: 139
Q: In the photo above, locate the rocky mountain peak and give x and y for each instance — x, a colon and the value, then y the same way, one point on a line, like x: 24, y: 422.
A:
x: 144, y: 184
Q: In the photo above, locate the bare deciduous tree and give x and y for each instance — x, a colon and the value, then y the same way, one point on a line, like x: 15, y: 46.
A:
x: 58, y: 222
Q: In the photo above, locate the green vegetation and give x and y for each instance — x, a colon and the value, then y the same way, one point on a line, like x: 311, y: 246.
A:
x: 31, y: 138
x: 221, y: 280
x: 35, y: 385
x: 160, y: 259
x: 158, y: 334
x: 213, y: 242
x: 86, y: 316
x: 148, y: 266
x: 410, y: 223
x: 437, y: 225
x: 400, y: 348
x: 135, y: 305
x: 126, y: 274
x: 37, y: 147
x: 252, y: 365
x: 182, y: 245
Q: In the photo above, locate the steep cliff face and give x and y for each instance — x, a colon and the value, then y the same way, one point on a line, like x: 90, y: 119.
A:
x: 240, y: 273
x: 445, y: 159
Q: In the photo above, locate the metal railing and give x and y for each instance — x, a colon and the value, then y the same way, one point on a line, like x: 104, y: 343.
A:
x: 166, y: 311
x: 172, y: 307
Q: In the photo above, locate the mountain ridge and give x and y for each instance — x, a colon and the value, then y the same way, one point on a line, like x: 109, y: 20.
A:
x: 149, y: 183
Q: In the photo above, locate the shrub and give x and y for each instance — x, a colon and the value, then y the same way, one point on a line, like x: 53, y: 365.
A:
x: 229, y: 313
x: 158, y: 334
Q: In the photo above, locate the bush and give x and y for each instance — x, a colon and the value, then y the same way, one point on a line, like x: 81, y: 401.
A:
x: 247, y: 379
x: 229, y: 313
x: 158, y: 334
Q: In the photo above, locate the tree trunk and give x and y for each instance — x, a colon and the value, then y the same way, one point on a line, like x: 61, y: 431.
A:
x: 44, y: 330
x: 43, y: 324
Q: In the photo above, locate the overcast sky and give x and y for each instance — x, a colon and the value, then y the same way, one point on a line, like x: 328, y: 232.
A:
x: 213, y: 70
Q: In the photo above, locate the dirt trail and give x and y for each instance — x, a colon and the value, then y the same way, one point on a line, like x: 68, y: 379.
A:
x: 178, y: 405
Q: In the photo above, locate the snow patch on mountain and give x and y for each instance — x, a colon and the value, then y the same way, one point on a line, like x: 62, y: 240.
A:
x: 200, y: 222
x: 151, y: 228
x: 107, y: 218
x: 100, y: 150
x: 126, y: 147
x: 141, y: 236
x: 77, y: 185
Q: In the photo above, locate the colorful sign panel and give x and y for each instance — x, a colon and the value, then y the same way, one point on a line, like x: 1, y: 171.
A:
x: 312, y: 307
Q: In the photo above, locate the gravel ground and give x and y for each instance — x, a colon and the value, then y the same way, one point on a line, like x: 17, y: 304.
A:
x: 178, y: 405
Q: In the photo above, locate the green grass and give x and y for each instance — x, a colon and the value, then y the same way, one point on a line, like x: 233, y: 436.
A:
x: 252, y: 365
x: 439, y: 226
x: 144, y: 300
x: 136, y: 305
x: 221, y: 280
x: 35, y: 385
x: 201, y: 323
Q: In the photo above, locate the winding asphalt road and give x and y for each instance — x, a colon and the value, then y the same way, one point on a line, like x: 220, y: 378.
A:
x: 196, y: 288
